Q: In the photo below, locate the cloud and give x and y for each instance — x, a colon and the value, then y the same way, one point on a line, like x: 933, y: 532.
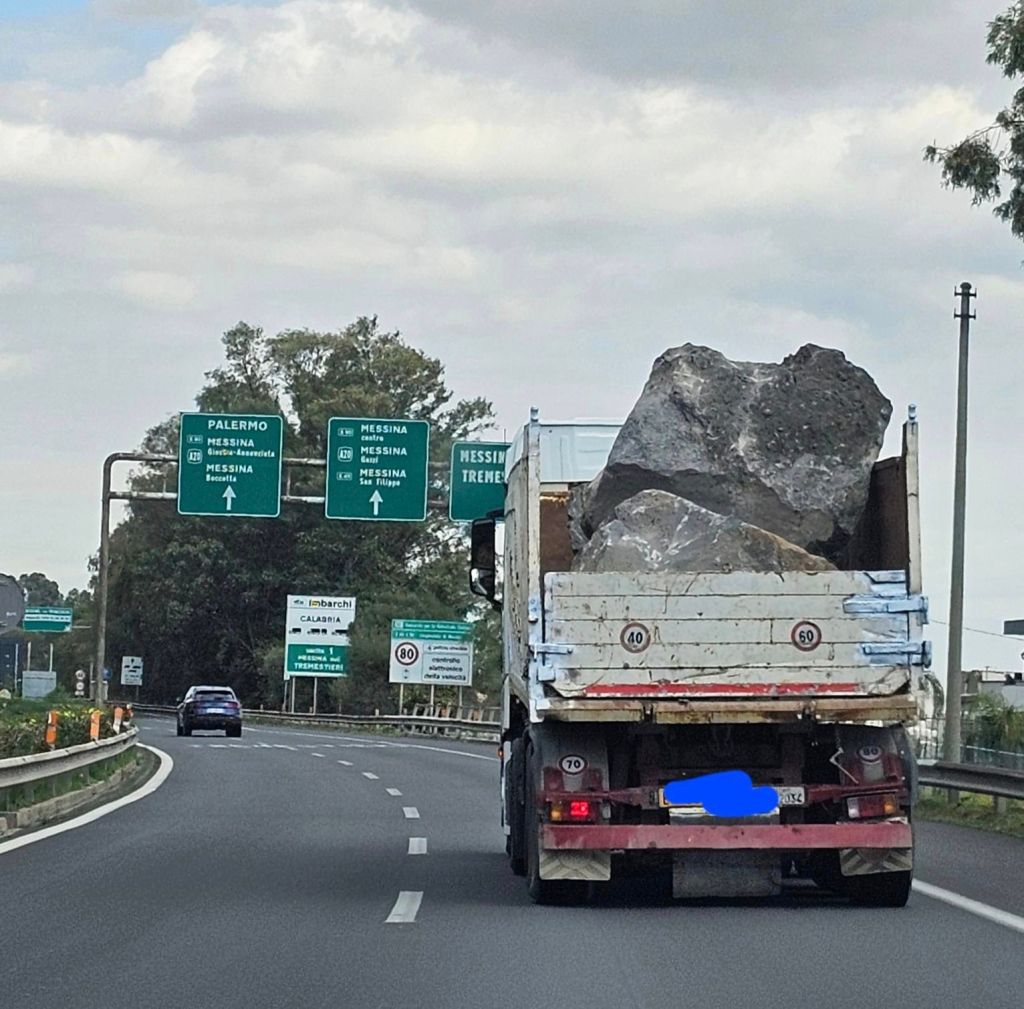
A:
x: 15, y: 275
x: 141, y: 10
x: 157, y: 290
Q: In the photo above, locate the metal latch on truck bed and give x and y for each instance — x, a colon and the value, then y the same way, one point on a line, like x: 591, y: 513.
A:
x: 867, y: 605
x: 545, y: 674
x: 898, y: 652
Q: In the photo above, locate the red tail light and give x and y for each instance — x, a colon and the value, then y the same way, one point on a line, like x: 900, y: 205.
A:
x: 863, y: 807
x: 576, y: 810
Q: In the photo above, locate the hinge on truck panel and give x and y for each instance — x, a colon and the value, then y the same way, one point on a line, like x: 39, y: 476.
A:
x: 550, y: 649
x: 870, y: 605
x: 897, y: 652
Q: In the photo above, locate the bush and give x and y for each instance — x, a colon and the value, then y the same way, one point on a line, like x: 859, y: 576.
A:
x: 23, y: 724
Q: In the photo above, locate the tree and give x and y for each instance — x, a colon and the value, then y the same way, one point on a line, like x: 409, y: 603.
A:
x: 40, y: 590
x: 203, y: 599
x: 981, y: 160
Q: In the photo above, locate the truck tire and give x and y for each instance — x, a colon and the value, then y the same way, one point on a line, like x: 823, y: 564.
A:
x: 543, y: 891
x: 879, y: 889
x: 514, y: 806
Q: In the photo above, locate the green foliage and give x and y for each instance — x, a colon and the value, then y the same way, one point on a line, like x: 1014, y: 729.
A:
x: 979, y: 162
x: 203, y: 599
x: 23, y: 724
x: 992, y: 724
x: 40, y: 590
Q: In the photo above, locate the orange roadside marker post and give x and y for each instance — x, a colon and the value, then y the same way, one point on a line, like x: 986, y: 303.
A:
x: 51, y: 728
x: 118, y: 716
x: 94, y: 726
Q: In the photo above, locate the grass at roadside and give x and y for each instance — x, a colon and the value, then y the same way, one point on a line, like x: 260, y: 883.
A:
x: 976, y: 811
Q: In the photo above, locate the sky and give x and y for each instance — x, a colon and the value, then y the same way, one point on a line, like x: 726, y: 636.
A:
x: 545, y: 195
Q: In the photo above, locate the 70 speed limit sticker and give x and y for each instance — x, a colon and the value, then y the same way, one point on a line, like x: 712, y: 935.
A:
x: 805, y: 635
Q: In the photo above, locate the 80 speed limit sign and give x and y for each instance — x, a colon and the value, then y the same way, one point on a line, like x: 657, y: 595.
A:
x: 406, y: 653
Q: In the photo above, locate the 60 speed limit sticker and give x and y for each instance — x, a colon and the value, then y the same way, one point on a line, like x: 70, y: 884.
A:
x: 805, y: 635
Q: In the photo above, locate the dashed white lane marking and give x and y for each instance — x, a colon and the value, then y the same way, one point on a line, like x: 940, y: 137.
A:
x: 392, y: 791
x: 347, y: 763
x: 411, y: 812
x: 165, y: 768
x: 317, y: 755
x: 975, y: 907
x: 217, y: 746
x: 370, y: 775
x: 406, y: 907
x: 284, y: 746
x: 417, y: 845
x: 355, y: 744
x: 237, y: 746
x: 196, y: 746
x: 327, y: 746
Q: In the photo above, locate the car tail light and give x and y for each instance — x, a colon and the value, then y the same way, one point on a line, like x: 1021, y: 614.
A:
x: 572, y: 810
x: 863, y: 807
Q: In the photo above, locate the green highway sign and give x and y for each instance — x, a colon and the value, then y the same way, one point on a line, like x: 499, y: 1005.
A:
x: 49, y: 619
x: 431, y: 651
x: 230, y: 464
x: 477, y: 479
x: 316, y: 635
x: 377, y: 469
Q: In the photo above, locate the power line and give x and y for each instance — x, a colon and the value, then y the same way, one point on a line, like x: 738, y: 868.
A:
x: 975, y: 630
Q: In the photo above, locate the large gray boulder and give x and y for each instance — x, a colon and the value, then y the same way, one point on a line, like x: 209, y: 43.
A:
x: 658, y: 531
x: 786, y: 447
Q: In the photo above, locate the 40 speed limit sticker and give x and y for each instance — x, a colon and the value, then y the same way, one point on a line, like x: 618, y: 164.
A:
x: 635, y: 637
x: 805, y: 635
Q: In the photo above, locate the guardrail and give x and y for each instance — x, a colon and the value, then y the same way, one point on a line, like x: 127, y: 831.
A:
x: 436, y: 724
x: 54, y: 768
x: 973, y: 778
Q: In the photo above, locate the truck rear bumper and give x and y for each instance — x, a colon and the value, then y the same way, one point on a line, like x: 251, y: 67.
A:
x: 783, y: 837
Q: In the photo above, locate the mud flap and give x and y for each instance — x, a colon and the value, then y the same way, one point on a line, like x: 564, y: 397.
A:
x: 592, y: 866
x: 864, y: 861
x: 726, y: 874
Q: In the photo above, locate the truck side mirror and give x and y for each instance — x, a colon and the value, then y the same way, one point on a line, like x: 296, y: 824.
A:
x: 483, y: 573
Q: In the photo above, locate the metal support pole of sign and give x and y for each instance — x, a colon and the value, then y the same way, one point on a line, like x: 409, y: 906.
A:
x: 431, y: 698
x: 401, y: 699
x: 954, y: 664
x: 28, y: 655
x: 316, y: 681
x: 51, y: 658
x: 101, y: 582
x: 460, y: 702
x: 293, y: 695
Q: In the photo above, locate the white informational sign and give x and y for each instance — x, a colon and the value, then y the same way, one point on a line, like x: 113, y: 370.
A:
x: 316, y: 635
x: 131, y: 671
x: 36, y: 683
x: 432, y: 651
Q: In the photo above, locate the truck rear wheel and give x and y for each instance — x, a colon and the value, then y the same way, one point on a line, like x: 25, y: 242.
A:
x: 543, y: 891
x: 879, y: 889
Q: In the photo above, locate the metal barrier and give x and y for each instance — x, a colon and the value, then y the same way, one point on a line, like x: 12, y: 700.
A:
x: 473, y: 727
x: 57, y: 766
x: 973, y: 778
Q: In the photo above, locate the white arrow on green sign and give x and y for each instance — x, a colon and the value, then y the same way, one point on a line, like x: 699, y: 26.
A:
x: 230, y: 464
x: 377, y: 469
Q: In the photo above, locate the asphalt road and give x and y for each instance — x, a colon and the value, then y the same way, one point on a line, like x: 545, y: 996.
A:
x: 263, y: 872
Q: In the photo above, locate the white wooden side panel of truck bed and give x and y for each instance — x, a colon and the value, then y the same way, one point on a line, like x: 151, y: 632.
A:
x: 731, y: 633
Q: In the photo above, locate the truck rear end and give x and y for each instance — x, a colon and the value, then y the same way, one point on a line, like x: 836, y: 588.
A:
x: 621, y: 686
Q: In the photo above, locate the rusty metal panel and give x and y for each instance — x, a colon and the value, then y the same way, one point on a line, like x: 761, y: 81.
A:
x: 894, y: 833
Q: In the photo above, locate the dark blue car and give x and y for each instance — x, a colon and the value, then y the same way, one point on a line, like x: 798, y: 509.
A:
x: 210, y: 708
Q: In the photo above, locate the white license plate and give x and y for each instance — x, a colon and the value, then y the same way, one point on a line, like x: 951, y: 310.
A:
x: 789, y: 795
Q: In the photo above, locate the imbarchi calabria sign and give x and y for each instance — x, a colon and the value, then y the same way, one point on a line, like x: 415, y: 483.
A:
x: 439, y: 652
x: 316, y: 635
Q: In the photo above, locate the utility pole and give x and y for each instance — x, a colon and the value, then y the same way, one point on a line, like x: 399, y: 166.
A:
x: 954, y: 663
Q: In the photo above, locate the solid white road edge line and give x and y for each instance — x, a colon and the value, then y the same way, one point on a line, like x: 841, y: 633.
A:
x: 165, y: 768
x: 404, y: 911
x: 411, y: 812
x: 985, y: 911
x: 417, y: 845
x: 392, y: 791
